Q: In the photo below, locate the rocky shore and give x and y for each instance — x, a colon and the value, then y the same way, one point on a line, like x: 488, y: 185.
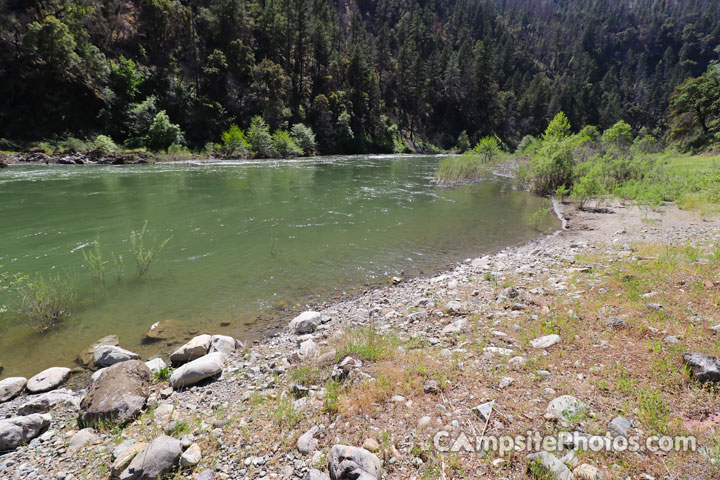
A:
x: 39, y: 157
x: 558, y: 334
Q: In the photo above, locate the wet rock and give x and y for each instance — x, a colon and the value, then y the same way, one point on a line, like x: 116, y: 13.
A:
x: 10, y: 387
x: 191, y: 456
x: 164, y: 330
x: 17, y: 431
x: 47, y: 379
x: 307, y: 443
x: 118, y: 395
x: 223, y: 343
x: 155, y: 460
x: 47, y: 401
x: 198, y: 370
x: 351, y: 463
x: 86, y: 357
x: 551, y: 463
x: 306, y: 322
x: 107, y: 355
x: 192, y: 350
x: 545, y: 342
x: 567, y: 408
x: 704, y: 368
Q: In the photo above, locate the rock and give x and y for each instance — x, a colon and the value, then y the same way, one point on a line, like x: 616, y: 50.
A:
x: 307, y: 443
x: 456, y: 327
x: 107, y: 355
x: 327, y: 358
x: 155, y: 365
x: 654, y: 306
x: 615, y: 322
x: 123, y: 459
x: 505, y: 352
x: 485, y: 410
x: 620, y: 426
x: 155, y: 460
x: 315, y: 474
x: 10, y: 387
x: 517, y: 361
x: 164, y: 413
x: 118, y: 395
x: 194, y: 349
x: 545, y: 342
x: 424, y: 421
x: 352, y: 463
x: 705, y: 368
x: 206, y: 475
x: 346, y: 365
x: 306, y: 322
x: 82, y: 438
x: 671, y: 340
x: 191, y: 456
x: 371, y: 445
x: 567, y: 408
x: 86, y: 357
x: 222, y: 343
x: 586, y: 471
x: 47, y: 401
x: 455, y: 307
x: 431, y: 386
x: 552, y: 464
x: 17, y: 431
x: 308, y: 349
x: 96, y: 374
x: 506, y: 382
x: 164, y: 330
x: 198, y: 370
x: 47, y: 379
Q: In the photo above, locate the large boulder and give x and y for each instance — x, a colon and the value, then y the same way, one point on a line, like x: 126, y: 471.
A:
x: 86, y: 356
x: 198, y: 370
x: 47, y: 379
x: 195, y: 348
x: 11, y: 386
x: 20, y: 430
x: 353, y: 463
x: 107, y: 355
x: 705, y: 368
x: 155, y: 460
x: 306, y: 322
x: 223, y: 343
x: 118, y: 395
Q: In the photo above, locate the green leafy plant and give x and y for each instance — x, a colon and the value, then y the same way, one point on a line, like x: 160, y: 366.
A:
x: 163, y: 375
x: 46, y: 300
x: 146, y: 250
x: 284, y: 145
x: 94, y: 261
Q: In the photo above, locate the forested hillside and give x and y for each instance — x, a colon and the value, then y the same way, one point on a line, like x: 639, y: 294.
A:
x: 361, y: 73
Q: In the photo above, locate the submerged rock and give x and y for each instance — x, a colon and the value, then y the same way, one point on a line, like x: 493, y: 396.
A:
x: 86, y: 357
x: 47, y: 379
x: 118, y: 395
x: 163, y: 330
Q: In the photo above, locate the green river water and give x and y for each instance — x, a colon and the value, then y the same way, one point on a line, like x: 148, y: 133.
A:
x: 252, y: 242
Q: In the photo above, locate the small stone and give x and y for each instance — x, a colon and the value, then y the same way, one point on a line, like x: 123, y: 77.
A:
x: 567, y: 408
x: 156, y: 365
x: 545, y: 342
x: 704, y: 368
x: 306, y: 322
x: 82, y: 438
x: 485, y: 410
x: 620, y: 426
x: 424, y: 421
x: 155, y: 460
x: 307, y: 443
x: 431, y: 386
x: 671, y: 340
x: 123, y: 459
x: 371, y: 445
x: 345, y: 462
x: 506, y: 382
x: 588, y: 472
x: 455, y: 328
x: 191, y: 456
x: 47, y: 379
x: 557, y: 468
x: 615, y: 322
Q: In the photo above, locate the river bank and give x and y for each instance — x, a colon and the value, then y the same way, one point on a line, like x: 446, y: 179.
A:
x: 625, y: 290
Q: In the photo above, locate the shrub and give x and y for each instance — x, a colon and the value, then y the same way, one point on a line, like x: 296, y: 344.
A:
x: 304, y: 138
x: 46, y: 301
x: 552, y: 167
x: 527, y: 145
x: 145, y: 256
x: 234, y: 142
x: 72, y: 144
x: 487, y: 148
x: 259, y: 138
x: 618, y: 136
x: 163, y: 133
x: 104, y: 144
x: 558, y: 128
x: 284, y: 145
x: 463, y: 142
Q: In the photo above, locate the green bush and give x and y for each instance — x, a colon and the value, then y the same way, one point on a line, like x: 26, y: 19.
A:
x: 46, y: 301
x: 234, y: 143
x: 618, y: 136
x: 283, y: 144
x: 259, y: 138
x: 463, y: 142
x: 104, y: 144
x: 552, y: 166
x: 304, y: 138
x: 487, y: 148
x: 163, y: 133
